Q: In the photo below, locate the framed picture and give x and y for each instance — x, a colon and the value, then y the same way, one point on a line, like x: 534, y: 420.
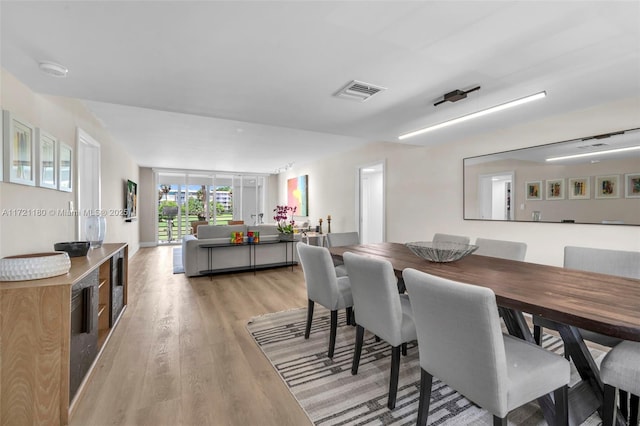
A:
x: 533, y: 190
x: 297, y: 195
x: 47, y: 176
x: 19, y: 150
x: 65, y: 167
x: 607, y: 186
x: 555, y: 189
x: 579, y: 188
x: 632, y: 185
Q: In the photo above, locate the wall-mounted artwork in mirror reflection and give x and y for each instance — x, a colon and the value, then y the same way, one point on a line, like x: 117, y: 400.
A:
x: 593, y: 182
x: 632, y: 185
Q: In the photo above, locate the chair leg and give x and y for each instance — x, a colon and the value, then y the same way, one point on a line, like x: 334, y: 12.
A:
x: 393, y: 380
x: 608, y: 405
x: 349, y: 312
x: 623, y: 398
x: 561, y: 397
x: 404, y: 349
x: 358, y: 349
x: 537, y: 334
x: 332, y: 333
x: 307, y: 330
x: 499, y: 421
x: 426, y: 380
x: 635, y: 406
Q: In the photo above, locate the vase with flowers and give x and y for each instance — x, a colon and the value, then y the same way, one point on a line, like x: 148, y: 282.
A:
x: 284, y: 221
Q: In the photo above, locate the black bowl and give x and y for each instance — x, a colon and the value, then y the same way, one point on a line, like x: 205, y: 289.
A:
x: 73, y: 248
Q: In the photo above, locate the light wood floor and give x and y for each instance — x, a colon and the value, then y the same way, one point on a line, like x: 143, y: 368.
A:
x: 181, y: 353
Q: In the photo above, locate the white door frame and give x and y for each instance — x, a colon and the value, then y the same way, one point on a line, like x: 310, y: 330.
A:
x: 88, y: 179
x: 358, y: 201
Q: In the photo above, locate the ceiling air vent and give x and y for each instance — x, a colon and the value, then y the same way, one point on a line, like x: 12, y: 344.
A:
x: 358, y: 91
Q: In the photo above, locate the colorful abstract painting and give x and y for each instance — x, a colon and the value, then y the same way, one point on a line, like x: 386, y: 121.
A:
x: 297, y: 194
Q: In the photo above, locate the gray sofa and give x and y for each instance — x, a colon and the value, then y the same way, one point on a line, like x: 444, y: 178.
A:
x: 224, y: 257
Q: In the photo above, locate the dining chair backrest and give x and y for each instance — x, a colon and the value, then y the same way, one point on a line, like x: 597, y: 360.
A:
x: 375, y: 296
x: 458, y: 330
x: 319, y: 275
x: 459, y: 239
x: 511, y: 250
x: 336, y: 239
x: 604, y: 261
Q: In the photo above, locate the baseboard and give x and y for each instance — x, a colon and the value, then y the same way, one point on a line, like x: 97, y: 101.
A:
x: 148, y: 244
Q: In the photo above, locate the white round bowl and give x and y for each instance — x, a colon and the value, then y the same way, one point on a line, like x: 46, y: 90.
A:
x: 34, y: 266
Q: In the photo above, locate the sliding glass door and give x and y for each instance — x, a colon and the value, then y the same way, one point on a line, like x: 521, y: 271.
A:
x: 216, y: 198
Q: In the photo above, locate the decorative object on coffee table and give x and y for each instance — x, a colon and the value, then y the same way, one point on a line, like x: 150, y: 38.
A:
x: 441, y: 252
x: 329, y: 224
x: 34, y: 266
x: 73, y: 248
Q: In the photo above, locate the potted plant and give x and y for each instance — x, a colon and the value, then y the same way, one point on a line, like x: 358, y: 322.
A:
x: 284, y: 221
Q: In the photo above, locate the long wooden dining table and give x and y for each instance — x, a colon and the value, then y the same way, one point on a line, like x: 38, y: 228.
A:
x: 573, y: 299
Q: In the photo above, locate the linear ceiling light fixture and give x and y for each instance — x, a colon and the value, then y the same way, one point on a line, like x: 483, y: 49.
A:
x: 496, y: 108
x: 591, y: 154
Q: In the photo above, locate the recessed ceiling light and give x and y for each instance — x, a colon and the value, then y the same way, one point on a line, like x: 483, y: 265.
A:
x: 53, y: 69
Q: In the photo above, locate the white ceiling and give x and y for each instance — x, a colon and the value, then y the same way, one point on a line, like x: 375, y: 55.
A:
x: 247, y: 86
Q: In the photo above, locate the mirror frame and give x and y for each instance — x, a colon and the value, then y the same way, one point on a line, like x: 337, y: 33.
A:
x: 515, y: 197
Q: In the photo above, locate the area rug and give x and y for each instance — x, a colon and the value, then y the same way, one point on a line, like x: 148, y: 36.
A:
x: 330, y: 395
x: 177, y: 261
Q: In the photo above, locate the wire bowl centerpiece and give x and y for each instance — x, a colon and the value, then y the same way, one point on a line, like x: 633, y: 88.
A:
x: 441, y: 251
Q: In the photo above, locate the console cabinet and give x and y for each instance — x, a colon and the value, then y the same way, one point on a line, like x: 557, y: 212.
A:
x: 52, y: 332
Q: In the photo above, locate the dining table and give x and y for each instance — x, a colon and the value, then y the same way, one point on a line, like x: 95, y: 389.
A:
x: 573, y: 299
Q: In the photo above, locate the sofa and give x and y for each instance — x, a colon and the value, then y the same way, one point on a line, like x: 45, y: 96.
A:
x: 222, y: 256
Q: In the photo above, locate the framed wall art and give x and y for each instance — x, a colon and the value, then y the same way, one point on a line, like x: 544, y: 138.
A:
x: 607, y: 186
x: 579, y: 188
x: 297, y: 194
x: 19, y: 150
x: 65, y: 167
x: 47, y: 171
x: 632, y: 185
x: 555, y: 189
x: 533, y: 190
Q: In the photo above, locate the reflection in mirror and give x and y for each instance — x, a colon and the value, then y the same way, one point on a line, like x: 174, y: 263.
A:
x: 594, y: 179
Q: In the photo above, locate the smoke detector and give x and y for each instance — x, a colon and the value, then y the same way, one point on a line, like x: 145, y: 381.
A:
x: 358, y: 91
x: 53, y: 69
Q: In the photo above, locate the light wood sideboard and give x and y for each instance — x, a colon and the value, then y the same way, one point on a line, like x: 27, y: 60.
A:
x: 52, y: 332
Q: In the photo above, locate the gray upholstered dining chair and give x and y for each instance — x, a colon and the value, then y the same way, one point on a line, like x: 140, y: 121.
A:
x: 336, y: 239
x: 511, y: 250
x: 459, y: 239
x: 461, y: 343
x: 381, y: 310
x: 325, y: 288
x: 620, y: 369
x: 604, y: 261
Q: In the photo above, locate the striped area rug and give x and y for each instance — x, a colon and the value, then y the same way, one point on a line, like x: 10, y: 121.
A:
x: 330, y: 395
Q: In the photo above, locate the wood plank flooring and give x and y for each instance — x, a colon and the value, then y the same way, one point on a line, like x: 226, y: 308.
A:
x: 181, y: 354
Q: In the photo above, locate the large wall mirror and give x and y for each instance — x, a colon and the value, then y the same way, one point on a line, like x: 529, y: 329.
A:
x: 594, y: 179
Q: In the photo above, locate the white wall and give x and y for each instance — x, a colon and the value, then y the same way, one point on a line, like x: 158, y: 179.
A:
x: 60, y: 117
x: 424, y: 186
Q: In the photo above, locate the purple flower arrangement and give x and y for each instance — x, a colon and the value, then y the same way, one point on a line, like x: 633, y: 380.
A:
x: 284, y: 218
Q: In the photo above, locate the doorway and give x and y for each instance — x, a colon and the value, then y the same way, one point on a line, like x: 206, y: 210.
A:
x: 495, y: 196
x: 371, y: 202
x: 88, y: 182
